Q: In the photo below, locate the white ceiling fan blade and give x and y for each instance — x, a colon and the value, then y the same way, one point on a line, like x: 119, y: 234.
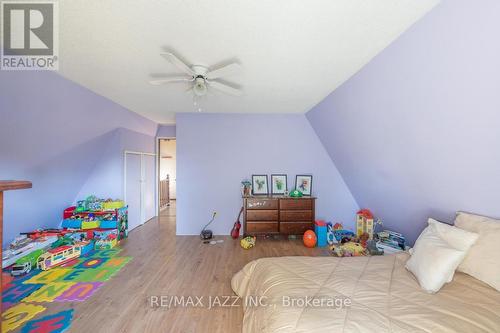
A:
x: 225, y: 88
x: 170, y: 79
x: 227, y: 70
x: 177, y: 62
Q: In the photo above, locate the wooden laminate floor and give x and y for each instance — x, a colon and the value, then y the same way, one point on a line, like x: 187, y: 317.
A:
x: 167, y: 265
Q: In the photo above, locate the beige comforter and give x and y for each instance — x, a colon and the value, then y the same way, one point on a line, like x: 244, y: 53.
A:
x: 384, y: 297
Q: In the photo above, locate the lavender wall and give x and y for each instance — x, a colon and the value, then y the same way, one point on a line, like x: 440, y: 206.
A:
x: 166, y: 131
x: 216, y: 151
x: 416, y: 132
x: 64, y: 138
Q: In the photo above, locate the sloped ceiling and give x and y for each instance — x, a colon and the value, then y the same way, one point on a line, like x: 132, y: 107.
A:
x: 293, y: 52
x: 415, y: 132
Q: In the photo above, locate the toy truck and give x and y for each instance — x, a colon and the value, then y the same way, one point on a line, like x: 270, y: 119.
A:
x: 26, y: 263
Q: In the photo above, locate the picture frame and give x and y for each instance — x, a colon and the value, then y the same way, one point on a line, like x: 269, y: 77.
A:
x: 303, y: 183
x: 260, y: 185
x: 279, y: 185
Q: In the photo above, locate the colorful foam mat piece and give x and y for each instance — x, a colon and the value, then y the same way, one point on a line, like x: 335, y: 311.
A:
x: 55, y: 323
x: 19, y: 314
x: 48, y: 292
x: 107, y: 253
x: 16, y: 293
x: 79, y: 292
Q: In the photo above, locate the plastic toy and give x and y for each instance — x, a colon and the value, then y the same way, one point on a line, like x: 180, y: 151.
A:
x: 248, y: 242
x: 106, y: 243
x: 320, y: 229
x: 349, y: 249
x: 364, y: 223
x: 341, y: 234
x: 296, y: 194
x: 26, y: 263
x: 309, y: 239
x: 338, y: 226
x: 58, y: 256
x: 330, y: 235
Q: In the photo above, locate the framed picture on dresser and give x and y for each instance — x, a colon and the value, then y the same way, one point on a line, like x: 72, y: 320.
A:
x: 278, y: 184
x: 303, y: 183
x: 260, y: 185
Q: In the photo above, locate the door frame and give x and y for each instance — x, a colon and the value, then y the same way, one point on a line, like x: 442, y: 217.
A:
x: 158, y: 159
x: 142, y: 154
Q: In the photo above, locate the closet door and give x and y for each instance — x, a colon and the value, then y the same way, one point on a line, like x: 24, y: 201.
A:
x: 149, y: 187
x: 133, y: 184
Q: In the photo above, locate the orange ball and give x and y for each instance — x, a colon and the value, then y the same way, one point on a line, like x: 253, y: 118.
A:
x: 309, y: 238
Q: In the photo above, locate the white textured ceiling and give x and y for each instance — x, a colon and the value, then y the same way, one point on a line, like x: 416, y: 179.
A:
x: 293, y: 52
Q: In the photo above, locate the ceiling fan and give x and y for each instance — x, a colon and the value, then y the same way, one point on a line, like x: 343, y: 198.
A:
x: 201, y: 77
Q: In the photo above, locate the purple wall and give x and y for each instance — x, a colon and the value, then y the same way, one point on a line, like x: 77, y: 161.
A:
x: 64, y: 138
x: 166, y: 131
x: 416, y: 133
x: 216, y: 151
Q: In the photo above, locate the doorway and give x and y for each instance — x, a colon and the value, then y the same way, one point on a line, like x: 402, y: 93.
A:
x: 139, y: 187
x: 167, y: 176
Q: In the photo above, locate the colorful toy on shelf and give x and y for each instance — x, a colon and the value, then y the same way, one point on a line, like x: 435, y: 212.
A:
x: 248, y: 242
x: 80, y: 206
x: 43, y: 233
x: 112, y: 219
x: 364, y: 223
x: 26, y: 263
x: 296, y: 194
x: 58, y: 256
x: 309, y: 239
x: 68, y: 212
x: 105, y: 239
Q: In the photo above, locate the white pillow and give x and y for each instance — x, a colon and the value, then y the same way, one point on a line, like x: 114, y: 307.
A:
x: 483, y: 259
x: 438, y: 251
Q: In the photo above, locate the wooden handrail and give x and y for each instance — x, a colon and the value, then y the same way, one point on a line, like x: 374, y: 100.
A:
x: 165, y: 192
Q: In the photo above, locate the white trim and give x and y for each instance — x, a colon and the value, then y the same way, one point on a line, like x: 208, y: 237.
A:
x: 158, y: 138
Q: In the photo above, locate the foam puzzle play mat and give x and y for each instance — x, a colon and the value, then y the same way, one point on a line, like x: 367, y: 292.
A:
x: 65, y: 265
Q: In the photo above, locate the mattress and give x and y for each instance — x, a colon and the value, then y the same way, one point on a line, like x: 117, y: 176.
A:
x: 358, y: 294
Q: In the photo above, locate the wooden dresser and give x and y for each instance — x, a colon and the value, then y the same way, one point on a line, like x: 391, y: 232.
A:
x: 277, y: 215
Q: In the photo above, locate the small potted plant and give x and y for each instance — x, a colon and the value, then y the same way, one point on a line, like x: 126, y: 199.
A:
x: 246, y: 188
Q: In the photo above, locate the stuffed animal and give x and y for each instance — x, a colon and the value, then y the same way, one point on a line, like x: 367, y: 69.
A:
x: 248, y: 242
x: 349, y: 249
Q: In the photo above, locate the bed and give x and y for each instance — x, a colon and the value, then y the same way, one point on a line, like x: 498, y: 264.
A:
x: 383, y: 296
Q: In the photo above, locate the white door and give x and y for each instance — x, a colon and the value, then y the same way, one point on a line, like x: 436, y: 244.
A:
x: 139, y: 187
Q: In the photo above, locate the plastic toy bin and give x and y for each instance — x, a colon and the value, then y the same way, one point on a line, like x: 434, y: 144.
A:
x: 321, y: 231
x: 72, y: 223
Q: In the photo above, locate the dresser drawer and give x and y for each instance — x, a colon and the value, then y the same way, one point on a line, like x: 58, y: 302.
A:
x: 295, y: 228
x: 296, y: 204
x: 296, y: 215
x: 262, y: 215
x: 256, y: 203
x: 262, y: 227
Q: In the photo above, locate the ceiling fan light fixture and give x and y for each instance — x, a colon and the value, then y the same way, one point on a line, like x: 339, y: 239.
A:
x: 200, y: 87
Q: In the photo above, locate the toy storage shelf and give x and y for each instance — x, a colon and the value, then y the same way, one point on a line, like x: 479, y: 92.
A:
x: 118, y: 221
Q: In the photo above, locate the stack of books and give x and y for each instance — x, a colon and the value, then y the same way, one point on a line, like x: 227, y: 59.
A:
x: 391, y: 241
